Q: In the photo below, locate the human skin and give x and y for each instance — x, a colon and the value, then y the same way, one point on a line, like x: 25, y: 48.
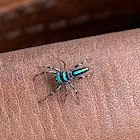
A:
x: 108, y: 107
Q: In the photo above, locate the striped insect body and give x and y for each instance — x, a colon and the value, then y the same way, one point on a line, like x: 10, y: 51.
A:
x: 80, y: 71
x: 66, y: 76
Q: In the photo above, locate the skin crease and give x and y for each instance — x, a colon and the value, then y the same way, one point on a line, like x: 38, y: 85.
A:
x: 108, y: 105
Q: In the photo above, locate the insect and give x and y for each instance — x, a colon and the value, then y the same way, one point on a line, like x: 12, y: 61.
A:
x: 65, y: 77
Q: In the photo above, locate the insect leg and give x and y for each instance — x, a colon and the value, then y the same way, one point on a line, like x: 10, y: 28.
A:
x: 44, y: 72
x: 66, y: 89
x: 79, y: 64
x: 51, y: 93
x: 54, y: 68
x: 82, y: 77
x: 73, y: 88
x: 64, y: 63
x: 55, y: 90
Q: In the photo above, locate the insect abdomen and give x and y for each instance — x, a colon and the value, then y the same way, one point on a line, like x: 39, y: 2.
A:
x: 64, y: 76
x: 80, y: 71
x: 58, y: 78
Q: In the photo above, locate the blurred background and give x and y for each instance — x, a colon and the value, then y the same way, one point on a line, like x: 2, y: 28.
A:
x: 29, y: 23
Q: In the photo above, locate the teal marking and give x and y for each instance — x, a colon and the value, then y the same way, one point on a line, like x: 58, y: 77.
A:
x: 64, y: 76
x: 80, y: 71
x: 58, y: 78
x: 69, y: 77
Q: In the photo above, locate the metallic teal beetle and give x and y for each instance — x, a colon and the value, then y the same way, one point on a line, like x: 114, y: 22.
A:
x: 66, y: 76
